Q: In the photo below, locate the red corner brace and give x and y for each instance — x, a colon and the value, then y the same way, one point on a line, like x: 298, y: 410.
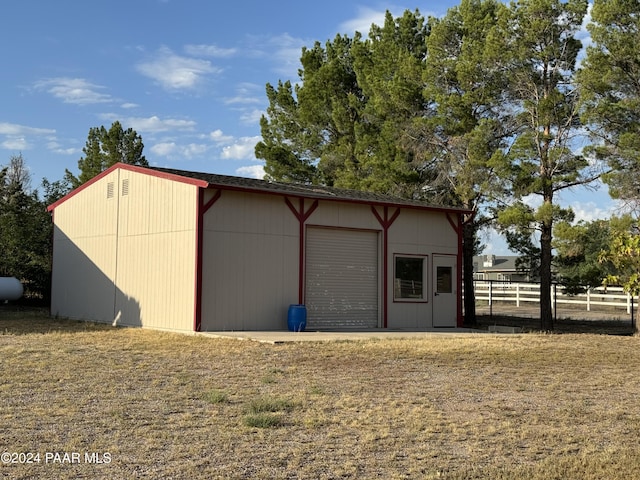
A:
x: 302, y: 217
x: 385, y: 222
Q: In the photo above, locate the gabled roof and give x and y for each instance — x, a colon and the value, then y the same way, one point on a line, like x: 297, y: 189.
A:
x: 300, y: 190
x: 226, y: 182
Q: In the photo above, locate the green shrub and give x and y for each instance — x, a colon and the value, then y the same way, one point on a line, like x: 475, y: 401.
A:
x: 216, y: 396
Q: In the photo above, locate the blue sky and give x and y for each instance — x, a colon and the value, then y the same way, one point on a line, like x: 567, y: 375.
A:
x: 188, y: 75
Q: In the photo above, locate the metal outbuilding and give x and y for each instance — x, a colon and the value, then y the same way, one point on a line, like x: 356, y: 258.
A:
x: 187, y: 251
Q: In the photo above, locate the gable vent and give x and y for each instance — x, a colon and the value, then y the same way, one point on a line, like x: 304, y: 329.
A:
x: 110, y: 189
x: 125, y: 186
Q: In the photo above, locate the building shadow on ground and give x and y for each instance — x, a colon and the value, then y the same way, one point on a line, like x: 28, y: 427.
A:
x: 560, y: 325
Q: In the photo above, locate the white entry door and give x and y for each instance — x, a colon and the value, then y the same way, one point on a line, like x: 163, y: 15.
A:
x: 445, y: 291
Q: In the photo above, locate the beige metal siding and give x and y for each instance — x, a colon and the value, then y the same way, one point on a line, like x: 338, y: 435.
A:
x: 250, y: 263
x: 125, y: 252
x: 423, y: 233
x: 156, y: 252
x: 84, y: 256
x: 341, y: 278
x: 344, y: 215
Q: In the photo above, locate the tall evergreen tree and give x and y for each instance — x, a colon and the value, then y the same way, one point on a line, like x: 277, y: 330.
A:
x: 539, y: 53
x: 105, y: 148
x: 342, y: 125
x: 609, y: 82
x: 25, y: 230
x: 389, y: 66
x: 309, y: 132
x: 463, y: 126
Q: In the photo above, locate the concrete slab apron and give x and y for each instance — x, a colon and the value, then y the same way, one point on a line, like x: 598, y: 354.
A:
x: 276, y: 337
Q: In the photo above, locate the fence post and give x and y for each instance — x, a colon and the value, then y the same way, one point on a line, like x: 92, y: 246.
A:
x: 490, y: 298
x: 517, y: 294
x: 629, y: 303
x: 588, y: 299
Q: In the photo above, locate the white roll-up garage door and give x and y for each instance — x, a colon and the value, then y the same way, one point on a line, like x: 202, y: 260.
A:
x: 341, y: 278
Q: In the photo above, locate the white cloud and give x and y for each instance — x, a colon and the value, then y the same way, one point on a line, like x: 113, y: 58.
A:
x: 242, y: 100
x: 494, y: 243
x: 68, y: 151
x: 362, y: 22
x: 584, y: 36
x: 366, y: 16
x: 590, y: 211
x: 252, y: 117
x: 283, y: 51
x: 246, y: 94
x: 174, y: 72
x: 194, y: 150
x: 156, y: 124
x: 74, y: 90
x: 17, y: 136
x: 173, y: 150
x: 16, y: 129
x: 153, y: 124
x: 16, y: 143
x: 209, y: 51
x: 55, y: 147
x: 287, y: 53
x: 165, y: 149
x: 129, y: 105
x: 219, y: 137
x: 252, y: 171
x: 242, y: 149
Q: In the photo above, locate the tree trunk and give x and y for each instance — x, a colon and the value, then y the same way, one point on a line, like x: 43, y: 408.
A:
x: 546, y: 312
x: 468, y: 243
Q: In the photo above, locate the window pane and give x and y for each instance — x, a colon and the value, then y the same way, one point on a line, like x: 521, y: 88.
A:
x: 443, y: 280
x: 409, y: 277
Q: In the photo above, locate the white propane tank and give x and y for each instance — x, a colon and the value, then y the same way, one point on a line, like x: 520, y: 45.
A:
x: 10, y: 288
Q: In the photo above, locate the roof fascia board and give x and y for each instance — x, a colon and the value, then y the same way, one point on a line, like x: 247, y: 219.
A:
x: 131, y: 168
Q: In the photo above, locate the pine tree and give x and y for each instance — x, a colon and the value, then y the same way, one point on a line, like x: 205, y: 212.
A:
x: 105, y: 148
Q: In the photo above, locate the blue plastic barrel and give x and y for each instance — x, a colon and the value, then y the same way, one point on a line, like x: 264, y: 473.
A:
x: 297, y: 318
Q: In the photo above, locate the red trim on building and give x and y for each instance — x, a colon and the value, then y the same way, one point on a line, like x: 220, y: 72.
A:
x: 385, y: 222
x: 201, y: 209
x: 211, y: 201
x: 302, y: 217
x: 457, y: 227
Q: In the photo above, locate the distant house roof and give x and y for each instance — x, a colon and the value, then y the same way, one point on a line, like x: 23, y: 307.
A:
x: 495, y: 263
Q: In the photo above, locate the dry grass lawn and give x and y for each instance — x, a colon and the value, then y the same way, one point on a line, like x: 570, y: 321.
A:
x: 162, y: 405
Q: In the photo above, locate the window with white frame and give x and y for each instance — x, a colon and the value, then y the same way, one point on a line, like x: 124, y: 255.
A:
x: 504, y: 277
x: 409, y: 278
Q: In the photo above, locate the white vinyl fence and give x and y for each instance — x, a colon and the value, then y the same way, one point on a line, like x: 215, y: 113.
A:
x: 522, y: 293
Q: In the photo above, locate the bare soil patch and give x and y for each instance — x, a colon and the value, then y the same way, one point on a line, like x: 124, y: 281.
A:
x: 164, y: 405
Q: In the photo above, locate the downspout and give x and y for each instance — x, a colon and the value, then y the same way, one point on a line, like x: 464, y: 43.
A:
x: 385, y: 222
x: 201, y: 209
